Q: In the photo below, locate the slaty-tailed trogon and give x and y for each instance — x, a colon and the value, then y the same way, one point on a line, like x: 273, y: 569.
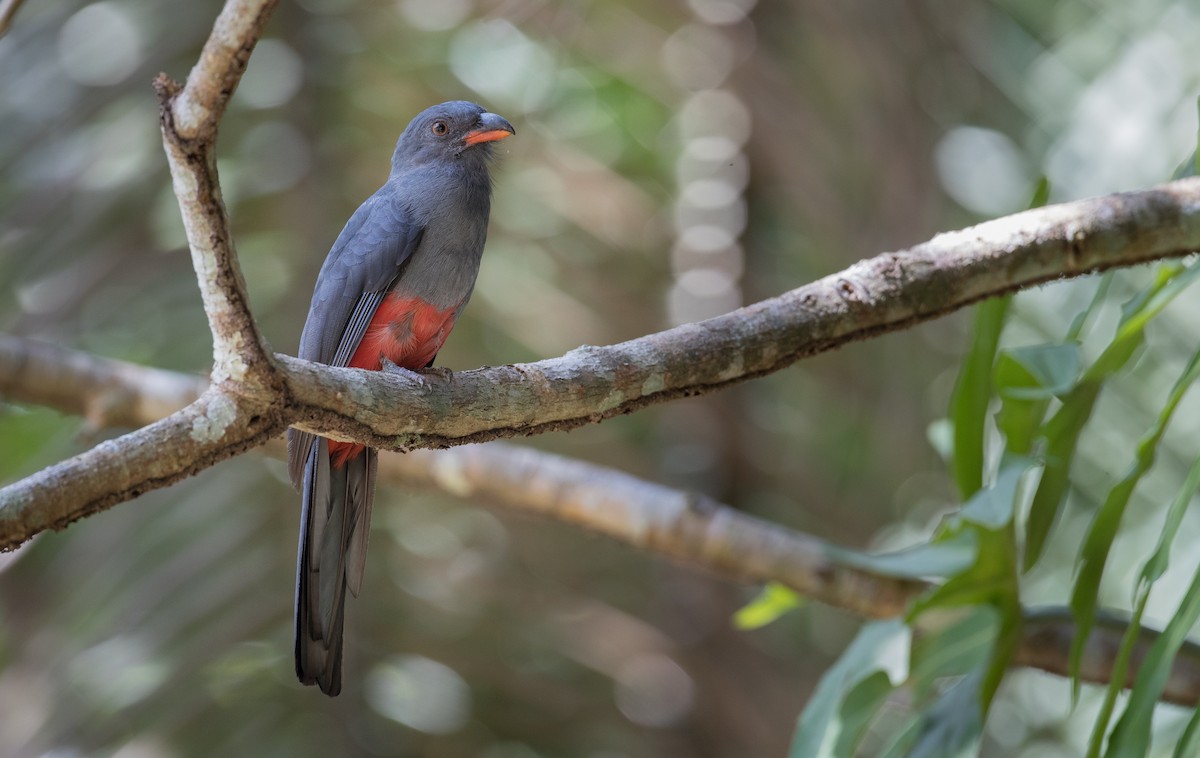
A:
x: 392, y: 286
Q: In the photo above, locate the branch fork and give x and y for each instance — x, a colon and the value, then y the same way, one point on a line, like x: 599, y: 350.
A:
x: 253, y: 395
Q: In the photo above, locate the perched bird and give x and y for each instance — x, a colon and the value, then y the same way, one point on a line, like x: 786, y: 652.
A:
x: 391, y: 288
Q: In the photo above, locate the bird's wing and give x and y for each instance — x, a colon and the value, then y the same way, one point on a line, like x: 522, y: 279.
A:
x: 363, y: 265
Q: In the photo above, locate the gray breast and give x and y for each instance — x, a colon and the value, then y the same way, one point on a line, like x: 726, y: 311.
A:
x: 453, y: 208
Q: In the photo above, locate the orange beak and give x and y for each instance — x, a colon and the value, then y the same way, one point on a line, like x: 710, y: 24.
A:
x: 491, y: 128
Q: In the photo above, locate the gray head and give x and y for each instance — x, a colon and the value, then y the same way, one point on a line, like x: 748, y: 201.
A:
x: 456, y: 130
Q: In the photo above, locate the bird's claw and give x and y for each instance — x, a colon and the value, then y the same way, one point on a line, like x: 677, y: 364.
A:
x: 416, y: 377
x: 388, y: 367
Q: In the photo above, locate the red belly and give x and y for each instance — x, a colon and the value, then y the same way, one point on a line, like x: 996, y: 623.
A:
x: 407, y: 331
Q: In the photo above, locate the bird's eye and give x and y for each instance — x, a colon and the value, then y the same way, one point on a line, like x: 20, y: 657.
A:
x: 439, y: 127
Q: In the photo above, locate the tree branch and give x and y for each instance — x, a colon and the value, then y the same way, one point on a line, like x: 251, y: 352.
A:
x: 400, y: 410
x: 254, y: 395
x: 189, y: 117
x: 246, y: 404
x: 1046, y: 644
x: 890, y: 292
x: 209, y: 430
x: 677, y: 525
x: 106, y: 392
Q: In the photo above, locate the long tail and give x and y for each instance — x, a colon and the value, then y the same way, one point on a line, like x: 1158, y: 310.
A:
x: 334, y: 524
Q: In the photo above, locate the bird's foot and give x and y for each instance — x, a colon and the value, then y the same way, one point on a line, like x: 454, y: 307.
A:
x: 424, y: 376
x: 388, y: 367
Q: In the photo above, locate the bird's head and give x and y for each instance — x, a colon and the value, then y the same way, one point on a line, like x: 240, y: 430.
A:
x: 456, y: 130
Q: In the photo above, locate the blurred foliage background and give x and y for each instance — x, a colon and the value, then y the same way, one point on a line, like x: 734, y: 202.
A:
x: 673, y: 161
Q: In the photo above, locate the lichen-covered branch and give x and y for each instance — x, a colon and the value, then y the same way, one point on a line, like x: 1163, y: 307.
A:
x: 211, y: 429
x: 189, y: 117
x: 246, y: 403
x: 889, y: 292
x: 649, y: 516
x: 400, y: 410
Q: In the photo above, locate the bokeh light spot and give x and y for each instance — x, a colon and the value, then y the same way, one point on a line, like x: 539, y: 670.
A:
x: 496, y: 60
x: 420, y: 693
x: 652, y: 690
x: 273, y: 77
x: 100, y: 46
x: 983, y: 171
x: 275, y: 156
x: 721, y: 12
x: 435, y: 15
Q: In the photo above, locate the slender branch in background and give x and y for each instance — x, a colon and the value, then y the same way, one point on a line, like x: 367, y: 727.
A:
x: 649, y: 516
x: 106, y: 392
x: 680, y: 525
x: 400, y: 410
x: 1046, y: 645
x: 189, y: 118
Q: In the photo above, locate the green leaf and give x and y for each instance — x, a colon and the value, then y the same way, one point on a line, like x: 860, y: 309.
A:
x: 1148, y: 687
x: 1038, y: 372
x: 1041, y: 193
x: 1098, y: 299
x: 1133, y: 729
x: 973, y: 389
x: 1093, y: 555
x: 774, y: 601
x: 986, y: 516
x: 1157, y: 564
x: 1026, y: 380
x: 1062, y: 431
x: 972, y: 394
x: 953, y: 725
x: 959, y: 647
x: 859, y: 710
x: 879, y: 646
x: 993, y: 508
x: 1062, y: 436
x: 1189, y: 743
x: 992, y: 578
x: 932, y: 560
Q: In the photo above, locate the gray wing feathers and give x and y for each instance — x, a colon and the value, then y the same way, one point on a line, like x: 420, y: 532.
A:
x: 366, y: 258
x: 356, y: 327
x: 363, y: 265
